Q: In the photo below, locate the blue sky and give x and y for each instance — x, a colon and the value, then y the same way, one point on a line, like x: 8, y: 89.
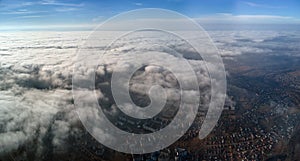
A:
x: 18, y: 13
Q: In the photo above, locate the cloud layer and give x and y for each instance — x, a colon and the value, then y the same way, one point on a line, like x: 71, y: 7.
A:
x: 36, y: 76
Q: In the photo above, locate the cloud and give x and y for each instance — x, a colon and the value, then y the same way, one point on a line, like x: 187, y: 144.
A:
x: 271, y: 42
x: 22, y: 12
x: 28, y: 17
x: 228, y: 18
x: 57, y: 3
x: 8, y: 141
x: 36, y: 100
x: 98, y: 19
x: 123, y: 51
x: 27, y: 117
x: 138, y: 4
x: 27, y: 3
x: 66, y: 9
x: 55, y: 27
x: 21, y: 4
x: 251, y: 4
x: 61, y: 130
x: 36, y: 72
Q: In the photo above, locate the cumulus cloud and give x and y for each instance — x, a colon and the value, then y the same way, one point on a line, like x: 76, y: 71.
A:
x: 156, y: 58
x: 36, y: 100
x: 36, y: 77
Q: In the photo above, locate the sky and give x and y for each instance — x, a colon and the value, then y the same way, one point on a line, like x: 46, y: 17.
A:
x: 47, y: 13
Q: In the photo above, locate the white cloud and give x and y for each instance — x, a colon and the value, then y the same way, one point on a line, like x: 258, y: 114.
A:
x: 66, y: 9
x: 70, y: 27
x: 57, y: 3
x: 263, y: 5
x: 232, y: 43
x: 13, y: 6
x: 36, y: 71
x: 33, y: 16
x: 228, y: 18
x: 98, y: 19
x: 22, y: 12
x: 28, y: 107
x: 138, y: 4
